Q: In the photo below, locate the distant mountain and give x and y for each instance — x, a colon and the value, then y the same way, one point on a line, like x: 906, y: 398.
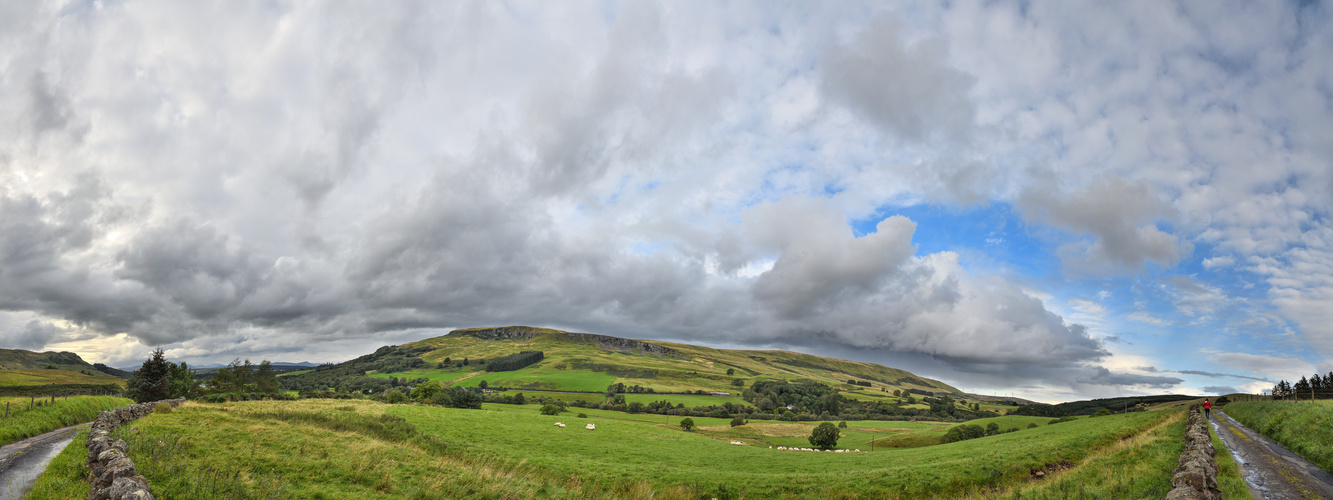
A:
x: 591, y: 362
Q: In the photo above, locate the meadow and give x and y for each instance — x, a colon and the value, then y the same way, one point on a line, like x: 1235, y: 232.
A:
x: 47, y: 377
x: 47, y: 416
x: 340, y: 449
x: 66, y: 476
x: 1304, y: 427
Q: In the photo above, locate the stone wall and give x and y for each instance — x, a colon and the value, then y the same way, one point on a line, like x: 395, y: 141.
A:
x: 111, y: 472
x: 1196, y: 476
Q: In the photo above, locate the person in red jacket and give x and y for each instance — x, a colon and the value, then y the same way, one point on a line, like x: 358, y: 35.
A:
x: 1207, y: 409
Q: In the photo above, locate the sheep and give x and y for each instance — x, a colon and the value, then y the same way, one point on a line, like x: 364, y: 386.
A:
x: 591, y: 427
x: 558, y: 424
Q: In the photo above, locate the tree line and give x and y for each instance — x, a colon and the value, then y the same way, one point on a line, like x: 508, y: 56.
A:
x: 1315, y: 387
x: 159, y: 379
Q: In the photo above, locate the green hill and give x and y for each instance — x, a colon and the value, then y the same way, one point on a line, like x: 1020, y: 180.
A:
x: 590, y: 362
x: 19, y: 359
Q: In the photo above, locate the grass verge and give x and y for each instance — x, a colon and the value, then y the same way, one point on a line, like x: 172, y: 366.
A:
x: 24, y: 423
x: 66, y: 476
x: 1304, y: 427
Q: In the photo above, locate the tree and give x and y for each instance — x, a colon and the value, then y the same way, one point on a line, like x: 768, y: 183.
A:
x: 825, y: 436
x: 842, y: 425
x: 183, y: 384
x: 1102, y: 413
x: 266, y: 381
x: 731, y: 371
x: 482, y: 384
x: 992, y: 429
x: 550, y: 409
x: 152, y: 381
x: 735, y: 382
x: 519, y: 399
x: 395, y: 396
x: 687, y: 424
x: 427, y: 391
x: 738, y: 421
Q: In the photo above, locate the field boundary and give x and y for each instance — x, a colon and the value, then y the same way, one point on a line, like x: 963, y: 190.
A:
x: 112, y: 475
x: 1196, y: 477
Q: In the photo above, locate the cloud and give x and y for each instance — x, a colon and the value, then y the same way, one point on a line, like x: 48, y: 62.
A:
x: 1220, y: 389
x: 1272, y: 367
x: 1119, y: 214
x: 1220, y: 375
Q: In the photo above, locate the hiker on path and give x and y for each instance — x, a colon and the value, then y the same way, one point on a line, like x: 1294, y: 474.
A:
x: 1207, y: 409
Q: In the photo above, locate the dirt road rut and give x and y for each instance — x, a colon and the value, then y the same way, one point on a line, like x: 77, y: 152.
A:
x: 1272, y: 471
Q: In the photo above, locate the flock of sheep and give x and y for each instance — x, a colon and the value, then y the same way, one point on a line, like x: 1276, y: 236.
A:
x: 793, y: 448
x: 589, y: 426
x: 738, y: 443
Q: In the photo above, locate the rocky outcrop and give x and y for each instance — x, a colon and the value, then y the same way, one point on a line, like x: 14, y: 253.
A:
x: 111, y: 472
x: 1196, y: 476
x: 604, y: 342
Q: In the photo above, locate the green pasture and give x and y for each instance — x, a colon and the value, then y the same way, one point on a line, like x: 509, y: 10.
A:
x: 46, y: 376
x: 343, y: 449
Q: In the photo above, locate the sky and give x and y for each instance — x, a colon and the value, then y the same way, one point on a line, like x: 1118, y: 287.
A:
x: 1054, y: 200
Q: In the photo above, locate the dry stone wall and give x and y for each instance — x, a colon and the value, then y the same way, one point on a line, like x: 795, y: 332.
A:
x: 112, y: 475
x: 1196, y: 476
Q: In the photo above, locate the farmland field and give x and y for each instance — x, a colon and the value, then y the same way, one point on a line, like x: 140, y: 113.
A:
x: 45, y: 377
x: 508, y: 451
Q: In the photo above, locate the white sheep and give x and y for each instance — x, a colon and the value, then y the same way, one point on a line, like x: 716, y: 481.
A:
x: 558, y: 424
x: 591, y: 427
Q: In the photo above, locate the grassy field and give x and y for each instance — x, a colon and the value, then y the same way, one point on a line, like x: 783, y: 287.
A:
x: 332, y: 449
x: 930, y: 435
x: 66, y: 477
x: 1139, y: 467
x: 25, y: 423
x: 44, y: 377
x: 1304, y: 427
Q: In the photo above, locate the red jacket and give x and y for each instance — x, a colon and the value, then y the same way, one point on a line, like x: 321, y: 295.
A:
x: 1207, y: 405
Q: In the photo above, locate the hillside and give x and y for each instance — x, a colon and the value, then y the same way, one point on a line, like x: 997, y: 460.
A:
x: 19, y: 359
x: 590, y: 363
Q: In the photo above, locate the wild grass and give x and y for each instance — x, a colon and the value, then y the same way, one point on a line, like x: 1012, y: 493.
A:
x: 64, y: 412
x: 66, y: 476
x: 1304, y: 427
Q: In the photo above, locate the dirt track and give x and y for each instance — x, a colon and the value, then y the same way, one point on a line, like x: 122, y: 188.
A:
x: 22, y: 461
x: 1272, y: 471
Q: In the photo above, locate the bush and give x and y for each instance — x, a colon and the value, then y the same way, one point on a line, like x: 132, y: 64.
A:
x: 1102, y: 413
x: 583, y: 415
x: 738, y: 421
x: 1032, y: 425
x: 842, y: 425
x: 162, y: 408
x: 395, y: 397
x: 550, y: 409
x: 687, y: 424
x: 825, y: 436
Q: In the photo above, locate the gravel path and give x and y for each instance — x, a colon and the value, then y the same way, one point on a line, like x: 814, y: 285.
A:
x: 21, y: 462
x: 1272, y: 471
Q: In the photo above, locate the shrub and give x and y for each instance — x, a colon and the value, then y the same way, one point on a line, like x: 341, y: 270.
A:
x: 1032, y: 425
x: 825, y: 436
x: 550, y: 409
x: 842, y: 425
x: 738, y: 421
x: 687, y: 424
x: 395, y: 397
x: 583, y: 415
x: 162, y: 408
x: 1102, y: 413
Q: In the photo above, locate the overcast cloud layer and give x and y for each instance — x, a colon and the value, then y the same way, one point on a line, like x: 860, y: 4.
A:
x: 1056, y: 200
